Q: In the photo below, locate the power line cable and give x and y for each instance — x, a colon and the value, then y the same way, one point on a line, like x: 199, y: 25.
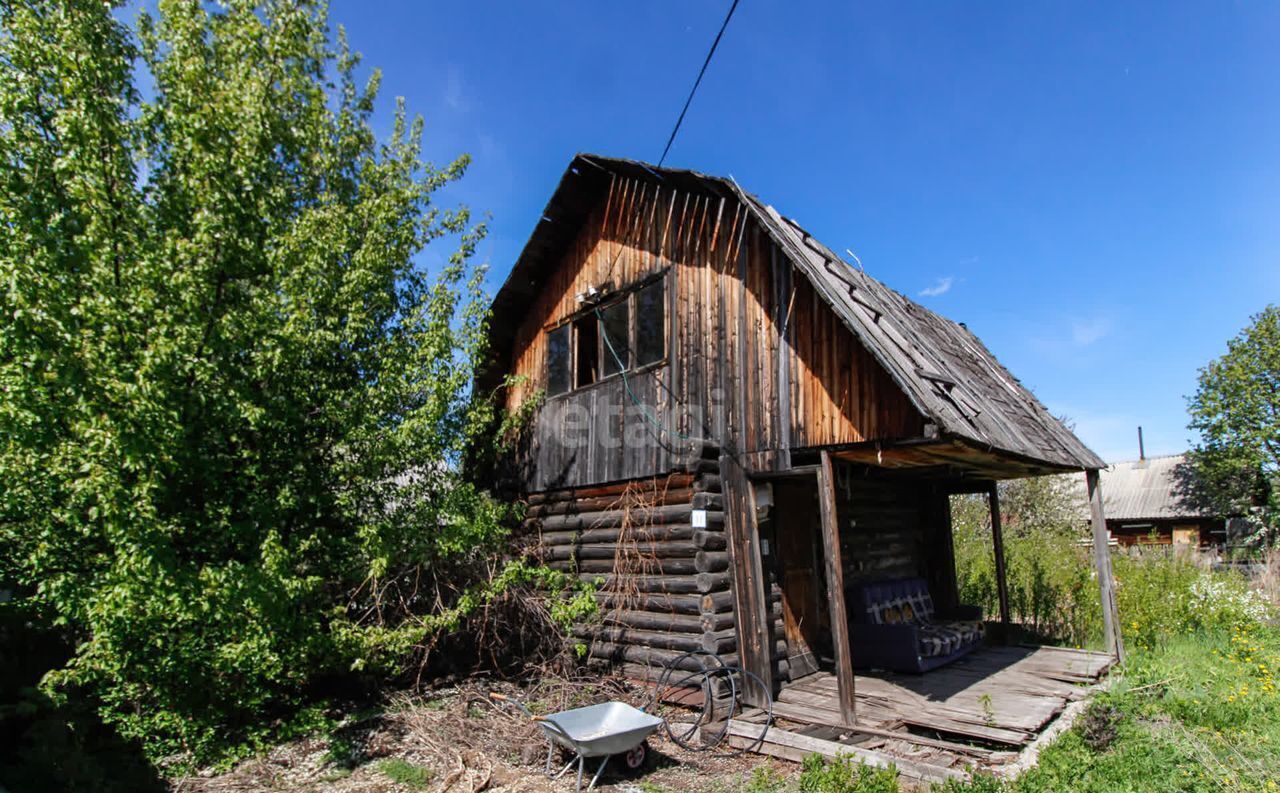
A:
x: 697, y: 82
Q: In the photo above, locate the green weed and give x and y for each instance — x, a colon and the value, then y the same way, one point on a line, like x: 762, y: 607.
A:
x: 405, y: 773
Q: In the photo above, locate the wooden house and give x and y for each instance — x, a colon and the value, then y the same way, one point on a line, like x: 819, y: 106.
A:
x: 734, y: 428
x: 1151, y: 501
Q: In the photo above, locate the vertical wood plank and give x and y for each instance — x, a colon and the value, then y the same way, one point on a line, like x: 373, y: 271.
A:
x: 835, y: 591
x: 751, y: 612
x: 1102, y: 564
x: 782, y: 321
x: 997, y: 541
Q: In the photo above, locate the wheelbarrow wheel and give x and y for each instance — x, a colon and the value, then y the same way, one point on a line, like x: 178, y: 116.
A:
x: 634, y: 758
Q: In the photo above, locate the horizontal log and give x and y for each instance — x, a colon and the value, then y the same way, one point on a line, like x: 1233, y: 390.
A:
x: 659, y: 497
x: 670, y: 482
x: 632, y: 614
x: 716, y: 602
x: 704, y: 500
x: 682, y: 679
x: 708, y: 482
x: 661, y: 602
x: 706, y: 451
x: 711, y: 561
x: 678, y: 549
x: 658, y: 621
x: 628, y: 566
x: 718, y: 642
x: 651, y: 657
x: 707, y: 539
x: 701, y: 583
x: 638, y: 517
x: 701, y: 466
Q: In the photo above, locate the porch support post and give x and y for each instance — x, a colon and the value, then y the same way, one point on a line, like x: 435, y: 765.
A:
x: 750, y: 607
x: 835, y: 591
x: 1102, y: 565
x: 997, y: 540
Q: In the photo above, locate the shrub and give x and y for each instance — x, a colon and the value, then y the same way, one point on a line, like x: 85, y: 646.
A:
x: 845, y: 774
x: 1052, y: 591
x: 235, y: 400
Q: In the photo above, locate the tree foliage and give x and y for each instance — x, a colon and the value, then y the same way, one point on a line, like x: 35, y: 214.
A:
x: 1236, y: 411
x: 233, y: 399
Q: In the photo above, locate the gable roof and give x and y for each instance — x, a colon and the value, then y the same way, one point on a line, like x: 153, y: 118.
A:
x: 944, y: 370
x: 1150, y: 489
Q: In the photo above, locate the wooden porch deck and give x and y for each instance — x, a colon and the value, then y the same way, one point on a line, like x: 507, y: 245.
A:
x: 979, y: 712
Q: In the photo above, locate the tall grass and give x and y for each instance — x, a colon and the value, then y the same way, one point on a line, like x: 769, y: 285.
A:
x: 1161, y: 593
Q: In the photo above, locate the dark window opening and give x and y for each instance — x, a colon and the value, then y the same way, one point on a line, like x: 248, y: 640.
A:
x: 587, y: 338
x: 615, y: 352
x: 651, y: 326
x: 611, y: 339
x: 558, y: 361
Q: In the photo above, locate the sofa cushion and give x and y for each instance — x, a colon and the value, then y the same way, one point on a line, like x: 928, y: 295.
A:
x: 944, y: 638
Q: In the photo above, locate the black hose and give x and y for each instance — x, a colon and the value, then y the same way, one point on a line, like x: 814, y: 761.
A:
x: 707, y: 675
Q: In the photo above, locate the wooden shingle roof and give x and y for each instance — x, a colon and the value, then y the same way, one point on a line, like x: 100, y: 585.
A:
x: 945, y: 371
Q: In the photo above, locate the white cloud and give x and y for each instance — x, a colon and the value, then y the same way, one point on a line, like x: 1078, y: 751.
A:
x: 940, y: 287
x: 1086, y: 331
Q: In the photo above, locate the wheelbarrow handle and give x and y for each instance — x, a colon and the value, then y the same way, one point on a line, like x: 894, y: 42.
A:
x: 515, y: 703
x: 548, y: 724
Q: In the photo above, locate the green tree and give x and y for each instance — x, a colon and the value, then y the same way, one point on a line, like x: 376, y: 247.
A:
x: 233, y: 399
x: 1236, y: 411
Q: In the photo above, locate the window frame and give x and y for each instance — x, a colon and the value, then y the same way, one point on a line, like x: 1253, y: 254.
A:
x: 630, y: 295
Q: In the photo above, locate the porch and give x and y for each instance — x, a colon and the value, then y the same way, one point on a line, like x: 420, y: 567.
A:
x: 988, y: 711
x: 824, y: 538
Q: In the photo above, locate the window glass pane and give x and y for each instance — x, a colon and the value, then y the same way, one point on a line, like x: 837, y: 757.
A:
x: 587, y: 354
x: 616, y: 350
x: 651, y: 329
x: 558, y: 360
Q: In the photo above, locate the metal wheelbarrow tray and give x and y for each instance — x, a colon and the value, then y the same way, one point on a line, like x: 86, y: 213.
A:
x: 603, y: 730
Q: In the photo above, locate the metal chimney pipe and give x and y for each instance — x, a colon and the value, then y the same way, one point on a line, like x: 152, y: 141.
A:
x: 1142, y: 452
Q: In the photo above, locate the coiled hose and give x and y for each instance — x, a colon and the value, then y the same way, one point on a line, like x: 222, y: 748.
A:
x: 704, y: 676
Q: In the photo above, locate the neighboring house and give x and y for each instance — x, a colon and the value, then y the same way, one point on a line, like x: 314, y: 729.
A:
x: 1147, y: 502
x: 739, y: 432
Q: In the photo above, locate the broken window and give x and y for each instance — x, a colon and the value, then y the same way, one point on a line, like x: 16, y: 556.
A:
x: 610, y: 339
x: 615, y: 325
x: 587, y: 353
x: 558, y: 360
x: 651, y: 326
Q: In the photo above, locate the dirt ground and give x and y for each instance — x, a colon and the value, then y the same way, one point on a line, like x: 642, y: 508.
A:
x: 458, y: 741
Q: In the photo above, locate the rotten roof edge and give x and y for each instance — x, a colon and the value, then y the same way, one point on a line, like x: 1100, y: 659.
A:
x: 945, y: 438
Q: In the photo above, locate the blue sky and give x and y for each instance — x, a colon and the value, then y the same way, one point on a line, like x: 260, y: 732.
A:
x: 1093, y: 188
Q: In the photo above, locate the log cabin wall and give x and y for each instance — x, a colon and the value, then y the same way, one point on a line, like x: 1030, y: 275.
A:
x: 882, y: 529
x: 663, y: 569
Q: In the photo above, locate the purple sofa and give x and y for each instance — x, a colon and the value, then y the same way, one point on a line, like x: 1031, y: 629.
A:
x: 893, y: 625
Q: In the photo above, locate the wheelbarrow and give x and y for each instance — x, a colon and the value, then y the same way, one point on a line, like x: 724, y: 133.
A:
x: 604, y: 730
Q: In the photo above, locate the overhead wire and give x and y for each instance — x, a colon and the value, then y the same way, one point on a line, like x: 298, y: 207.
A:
x: 711, y: 52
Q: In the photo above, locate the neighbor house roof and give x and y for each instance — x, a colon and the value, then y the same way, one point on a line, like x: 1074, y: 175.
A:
x: 944, y: 370
x: 1150, y: 489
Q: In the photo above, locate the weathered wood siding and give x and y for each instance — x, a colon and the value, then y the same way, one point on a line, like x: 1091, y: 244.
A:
x: 613, y: 429
x: 757, y: 362
x: 758, y: 344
